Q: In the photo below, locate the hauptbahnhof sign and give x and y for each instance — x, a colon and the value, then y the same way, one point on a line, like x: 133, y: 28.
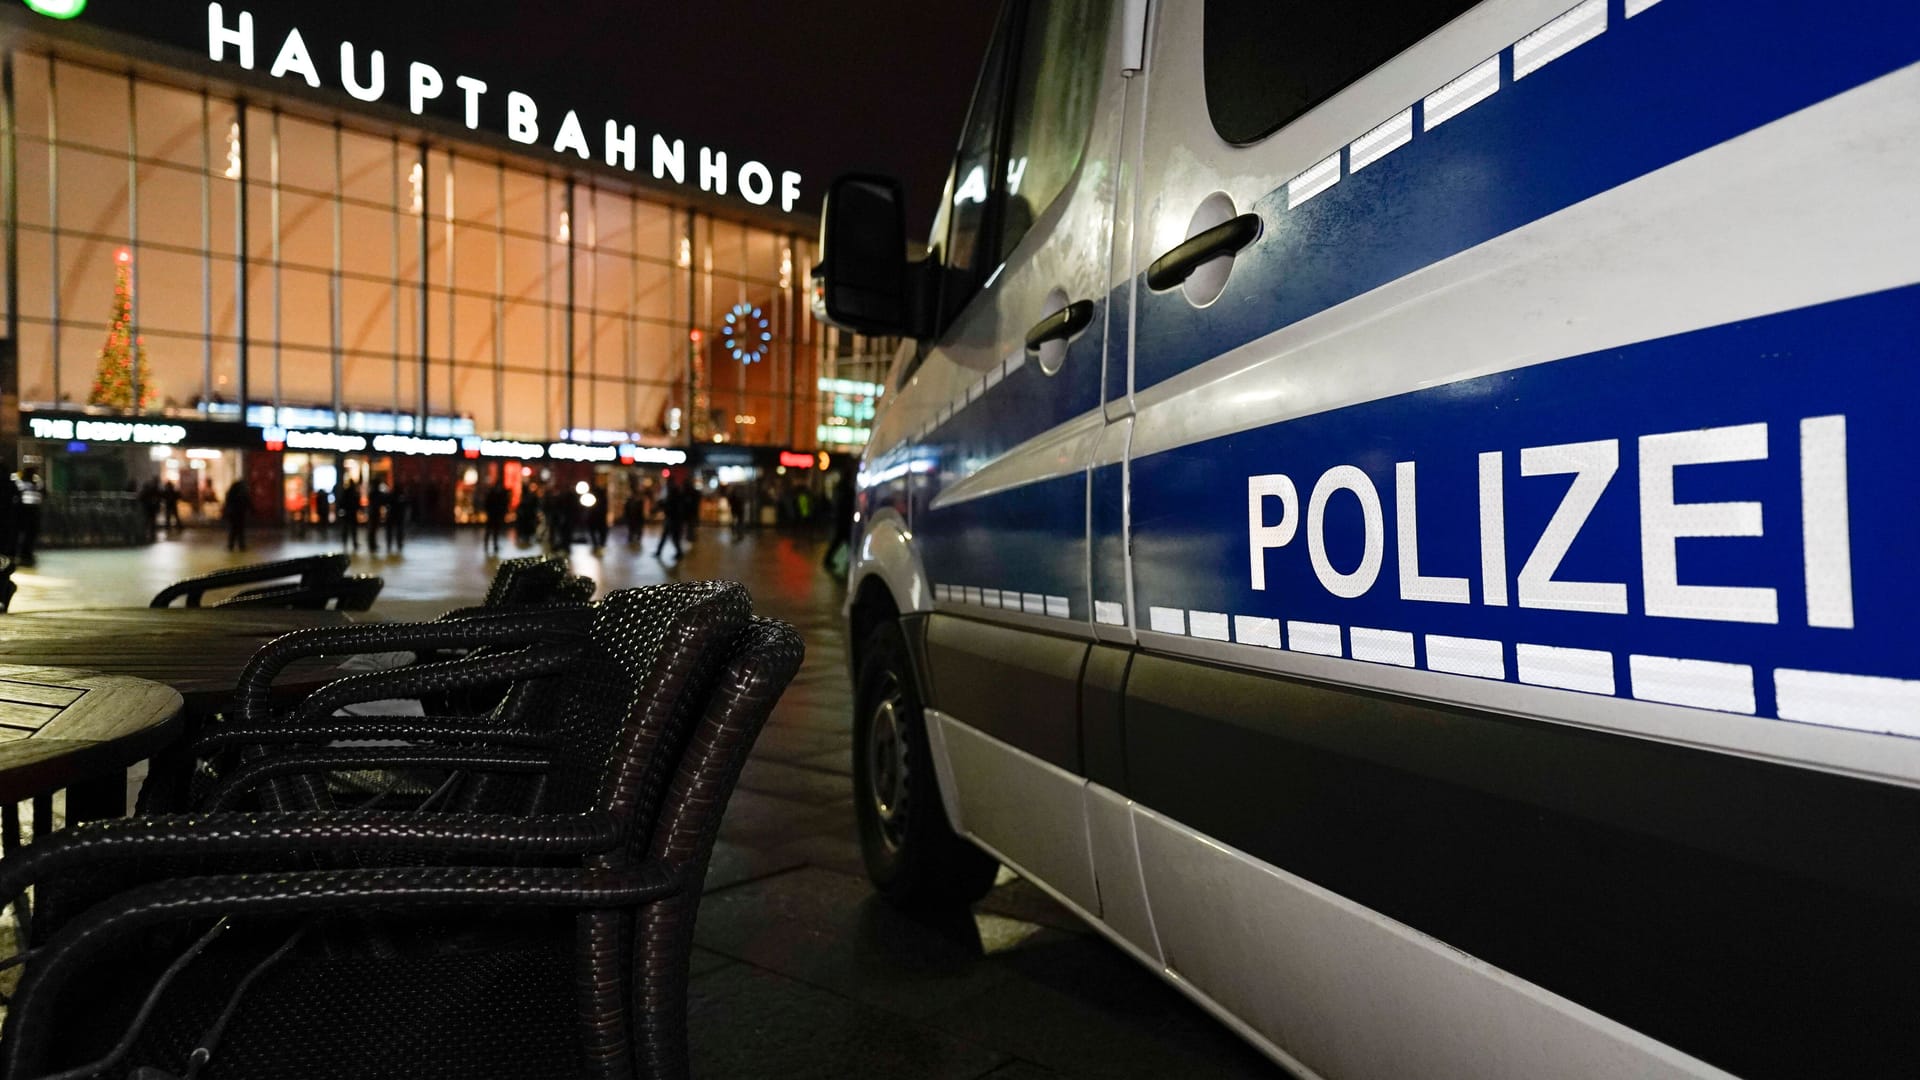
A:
x: 230, y: 34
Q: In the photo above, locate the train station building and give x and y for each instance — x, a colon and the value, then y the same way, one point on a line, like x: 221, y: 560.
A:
x: 236, y: 247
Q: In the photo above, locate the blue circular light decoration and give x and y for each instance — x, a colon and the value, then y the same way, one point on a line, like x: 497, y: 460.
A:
x: 746, y: 333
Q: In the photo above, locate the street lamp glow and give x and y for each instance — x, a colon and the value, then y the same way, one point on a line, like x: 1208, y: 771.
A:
x: 58, y: 9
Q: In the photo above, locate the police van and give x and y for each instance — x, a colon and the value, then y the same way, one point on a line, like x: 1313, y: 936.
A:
x: 1403, y: 515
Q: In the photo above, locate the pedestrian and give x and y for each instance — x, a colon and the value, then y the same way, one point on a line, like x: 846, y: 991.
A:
x: 376, y: 513
x: 495, y: 508
x: 32, y: 493
x: 737, y: 510
x: 526, y: 515
x: 346, y: 513
x: 635, y: 516
x: 599, y: 516
x: 842, y: 519
x: 560, y: 504
x: 673, y: 507
x: 238, y: 507
x: 150, y: 508
x: 399, y: 505
x: 170, y: 501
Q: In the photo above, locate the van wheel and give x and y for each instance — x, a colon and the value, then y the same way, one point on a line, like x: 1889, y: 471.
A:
x: 913, y: 856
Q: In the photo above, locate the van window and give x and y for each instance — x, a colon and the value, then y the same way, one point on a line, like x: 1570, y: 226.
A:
x: 1055, y: 89
x: 969, y: 194
x: 1025, y: 134
x: 1268, y: 61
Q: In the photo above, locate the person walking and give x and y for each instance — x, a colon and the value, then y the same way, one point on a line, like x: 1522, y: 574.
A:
x: 346, y: 513
x: 150, y: 508
x: 237, y: 508
x: 737, y: 511
x: 170, y: 503
x: 842, y: 520
x: 376, y: 513
x: 526, y: 516
x: 599, y: 517
x: 494, y: 506
x: 634, y: 515
x: 673, y: 508
x: 399, y: 505
x: 32, y: 493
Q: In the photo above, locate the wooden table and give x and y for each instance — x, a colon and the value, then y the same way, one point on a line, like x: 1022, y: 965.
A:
x: 199, y: 652
x: 78, y: 730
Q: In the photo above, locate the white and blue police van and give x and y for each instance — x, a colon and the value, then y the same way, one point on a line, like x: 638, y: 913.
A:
x: 1395, y: 512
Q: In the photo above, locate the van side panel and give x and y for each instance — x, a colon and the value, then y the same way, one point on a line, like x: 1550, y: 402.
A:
x: 1759, y: 916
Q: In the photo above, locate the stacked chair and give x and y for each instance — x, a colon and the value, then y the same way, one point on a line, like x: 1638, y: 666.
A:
x: 529, y: 916
x: 315, y: 582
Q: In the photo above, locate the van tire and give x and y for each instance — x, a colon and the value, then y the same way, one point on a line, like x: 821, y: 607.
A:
x: 912, y: 854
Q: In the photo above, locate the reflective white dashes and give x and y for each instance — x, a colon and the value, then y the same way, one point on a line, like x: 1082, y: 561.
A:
x: 1167, y: 620
x: 1056, y: 607
x: 1463, y: 93
x: 1566, y: 669
x: 1559, y: 37
x: 1699, y: 684
x: 1380, y: 142
x: 1861, y: 702
x: 1254, y: 630
x: 1311, y: 637
x: 1211, y: 625
x: 1382, y: 646
x: 1108, y: 613
x: 1466, y: 656
x: 1318, y: 178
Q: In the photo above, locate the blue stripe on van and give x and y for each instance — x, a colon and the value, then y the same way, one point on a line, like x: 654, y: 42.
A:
x: 1681, y: 77
x: 1853, y: 358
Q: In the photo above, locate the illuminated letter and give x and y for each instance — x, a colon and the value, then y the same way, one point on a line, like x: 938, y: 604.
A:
x: 1823, y: 522
x: 219, y: 37
x: 1373, y: 544
x: 789, y: 190
x: 521, y: 114
x: 1261, y: 536
x: 1413, y: 584
x: 571, y: 136
x: 423, y: 84
x: 713, y: 171
x: 293, y: 58
x: 758, y: 193
x: 473, y: 88
x: 622, y: 149
x: 670, y: 159
x: 1592, y: 465
x: 376, y: 82
x: 1663, y: 522
x: 1493, y: 529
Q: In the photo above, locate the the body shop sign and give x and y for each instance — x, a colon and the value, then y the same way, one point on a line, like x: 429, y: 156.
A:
x: 371, y: 75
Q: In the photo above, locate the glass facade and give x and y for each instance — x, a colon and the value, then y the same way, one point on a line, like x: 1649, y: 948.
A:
x: 312, y: 264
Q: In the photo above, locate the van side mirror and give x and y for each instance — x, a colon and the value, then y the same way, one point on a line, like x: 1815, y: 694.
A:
x: 863, y: 281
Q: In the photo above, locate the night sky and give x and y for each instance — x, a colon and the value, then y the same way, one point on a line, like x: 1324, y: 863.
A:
x: 821, y: 86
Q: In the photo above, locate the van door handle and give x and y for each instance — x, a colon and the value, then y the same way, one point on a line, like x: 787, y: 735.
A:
x: 1176, y: 266
x: 1062, y: 324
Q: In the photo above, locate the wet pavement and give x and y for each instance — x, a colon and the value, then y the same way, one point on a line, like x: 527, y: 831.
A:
x: 800, y: 970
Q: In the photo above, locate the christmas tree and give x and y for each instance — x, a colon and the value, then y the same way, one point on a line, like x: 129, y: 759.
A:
x: 123, y: 359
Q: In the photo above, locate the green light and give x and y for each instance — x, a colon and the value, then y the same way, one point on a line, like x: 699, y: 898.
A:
x: 58, y: 9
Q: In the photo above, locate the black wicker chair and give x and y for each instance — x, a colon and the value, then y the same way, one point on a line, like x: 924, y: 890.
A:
x: 548, y: 944
x: 536, y: 579
x: 267, y: 579
x: 8, y: 586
